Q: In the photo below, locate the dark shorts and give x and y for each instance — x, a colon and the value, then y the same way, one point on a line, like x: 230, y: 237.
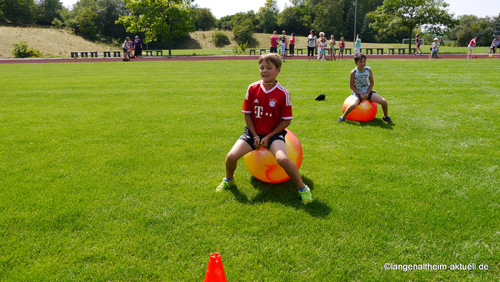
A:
x: 124, y: 50
x: 248, y: 137
x: 359, y: 97
x: 273, y: 49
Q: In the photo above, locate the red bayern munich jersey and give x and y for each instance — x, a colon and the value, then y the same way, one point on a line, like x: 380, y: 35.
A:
x: 267, y: 107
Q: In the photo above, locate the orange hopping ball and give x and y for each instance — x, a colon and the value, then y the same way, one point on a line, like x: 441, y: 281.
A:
x: 263, y: 165
x: 365, y: 111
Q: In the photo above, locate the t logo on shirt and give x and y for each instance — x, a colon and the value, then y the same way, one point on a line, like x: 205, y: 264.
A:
x: 258, y: 111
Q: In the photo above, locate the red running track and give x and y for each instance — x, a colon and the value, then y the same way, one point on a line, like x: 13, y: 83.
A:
x: 223, y: 57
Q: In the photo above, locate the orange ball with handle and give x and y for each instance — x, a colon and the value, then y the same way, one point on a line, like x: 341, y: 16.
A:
x: 365, y: 111
x: 263, y: 165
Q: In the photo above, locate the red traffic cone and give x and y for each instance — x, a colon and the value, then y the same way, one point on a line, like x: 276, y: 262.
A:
x: 215, y: 271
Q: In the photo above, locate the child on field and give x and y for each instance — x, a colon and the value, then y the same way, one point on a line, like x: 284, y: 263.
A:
x: 320, y: 39
x: 131, y: 49
x: 341, y: 48
x: 357, y: 45
x: 472, y: 43
x: 434, y: 49
x: 417, y: 43
x: 322, y: 45
x: 283, y: 48
x: 268, y: 112
x: 332, y: 48
x: 362, y: 83
x: 125, y: 47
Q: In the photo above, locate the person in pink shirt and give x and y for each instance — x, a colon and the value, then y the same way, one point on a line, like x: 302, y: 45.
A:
x: 292, y: 44
x: 472, y: 43
x: 274, y: 43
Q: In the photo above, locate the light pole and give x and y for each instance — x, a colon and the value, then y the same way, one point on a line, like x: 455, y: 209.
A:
x: 355, y: 13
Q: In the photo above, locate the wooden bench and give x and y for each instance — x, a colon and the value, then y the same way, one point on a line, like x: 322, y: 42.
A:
x: 254, y: 51
x: 412, y: 51
x: 84, y: 54
x: 301, y: 50
x: 296, y: 51
x: 159, y: 52
x: 390, y: 51
x: 149, y: 53
x: 93, y: 54
x: 381, y: 50
x: 107, y: 54
x: 116, y: 54
x: 74, y: 55
x: 347, y: 49
x: 367, y: 50
x: 401, y: 50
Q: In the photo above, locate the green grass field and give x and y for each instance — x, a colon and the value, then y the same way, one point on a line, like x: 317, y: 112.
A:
x: 108, y: 172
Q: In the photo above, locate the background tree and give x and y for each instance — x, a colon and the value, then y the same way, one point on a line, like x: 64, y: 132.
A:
x: 470, y: 26
x: 329, y: 17
x: 48, y: 10
x: 243, y: 32
x: 295, y: 19
x: 267, y: 17
x: 203, y: 19
x: 109, y: 11
x: 224, y: 23
x: 159, y: 19
x: 18, y: 11
x: 88, y: 24
x: 240, y: 18
x: 397, y: 15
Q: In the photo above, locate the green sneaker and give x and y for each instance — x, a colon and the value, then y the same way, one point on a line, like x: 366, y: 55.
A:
x: 225, y: 185
x: 306, y: 196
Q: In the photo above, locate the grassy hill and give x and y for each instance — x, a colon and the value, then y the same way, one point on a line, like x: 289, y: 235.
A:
x: 54, y: 42
x: 50, y: 41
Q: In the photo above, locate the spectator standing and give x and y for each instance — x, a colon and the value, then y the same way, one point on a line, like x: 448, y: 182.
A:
x: 472, y: 43
x: 320, y: 39
x: 137, y: 47
x: 322, y: 45
x: 312, y: 44
x: 274, y: 43
x: 332, y: 47
x: 417, y: 43
x: 283, y: 37
x: 357, y: 45
x: 292, y: 44
x: 434, y: 49
x: 341, y: 48
x: 125, y: 47
x: 283, y: 48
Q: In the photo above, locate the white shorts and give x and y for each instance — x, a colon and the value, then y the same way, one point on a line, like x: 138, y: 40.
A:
x: 357, y: 50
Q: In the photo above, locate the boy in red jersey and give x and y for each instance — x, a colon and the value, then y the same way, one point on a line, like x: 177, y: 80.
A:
x: 268, y: 112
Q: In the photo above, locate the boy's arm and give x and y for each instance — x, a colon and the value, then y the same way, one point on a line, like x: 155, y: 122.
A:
x: 372, y: 83
x: 353, y: 86
x: 251, y: 127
